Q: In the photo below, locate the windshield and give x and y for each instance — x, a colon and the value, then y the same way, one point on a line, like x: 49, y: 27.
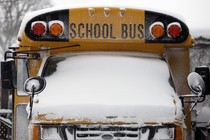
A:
x: 104, y: 75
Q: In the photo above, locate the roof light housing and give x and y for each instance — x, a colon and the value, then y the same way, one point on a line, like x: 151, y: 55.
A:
x: 38, y: 28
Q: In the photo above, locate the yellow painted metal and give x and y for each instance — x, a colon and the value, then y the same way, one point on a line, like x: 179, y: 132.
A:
x: 179, y: 64
x: 42, y: 119
x: 112, y: 27
x: 34, y: 67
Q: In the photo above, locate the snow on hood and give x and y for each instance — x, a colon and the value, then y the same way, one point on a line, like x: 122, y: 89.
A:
x: 107, y: 88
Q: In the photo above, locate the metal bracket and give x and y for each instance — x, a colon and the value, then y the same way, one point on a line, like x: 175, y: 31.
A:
x: 199, y: 99
x: 21, y: 55
x: 190, y: 96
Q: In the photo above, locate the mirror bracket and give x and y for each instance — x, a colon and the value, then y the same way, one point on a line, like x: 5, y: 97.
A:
x: 188, y: 98
x: 198, y: 87
x: 21, y: 55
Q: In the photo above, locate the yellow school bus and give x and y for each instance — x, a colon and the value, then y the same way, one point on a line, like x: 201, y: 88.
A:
x: 99, y: 73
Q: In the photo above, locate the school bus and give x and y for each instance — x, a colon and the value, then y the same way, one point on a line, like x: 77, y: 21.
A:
x: 100, y: 73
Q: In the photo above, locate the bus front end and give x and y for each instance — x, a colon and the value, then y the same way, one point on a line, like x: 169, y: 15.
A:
x: 100, y: 74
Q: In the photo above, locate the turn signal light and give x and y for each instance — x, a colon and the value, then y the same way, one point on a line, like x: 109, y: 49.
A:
x: 174, y: 30
x: 56, y: 28
x: 35, y: 132
x: 179, y: 133
x: 38, y: 28
x: 157, y: 29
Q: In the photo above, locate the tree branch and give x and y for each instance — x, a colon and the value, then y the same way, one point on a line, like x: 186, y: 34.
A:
x: 11, y: 17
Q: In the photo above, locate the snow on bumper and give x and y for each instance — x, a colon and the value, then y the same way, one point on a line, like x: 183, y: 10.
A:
x: 108, y: 114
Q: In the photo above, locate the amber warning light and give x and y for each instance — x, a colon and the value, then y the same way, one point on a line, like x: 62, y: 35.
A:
x: 157, y: 29
x: 56, y: 28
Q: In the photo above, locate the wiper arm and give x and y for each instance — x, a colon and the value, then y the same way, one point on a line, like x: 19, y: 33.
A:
x: 31, y: 102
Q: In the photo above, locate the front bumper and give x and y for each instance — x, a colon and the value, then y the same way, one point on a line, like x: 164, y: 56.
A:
x: 106, y: 132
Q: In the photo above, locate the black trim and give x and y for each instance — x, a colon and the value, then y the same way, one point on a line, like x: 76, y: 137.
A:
x: 62, y: 15
x: 151, y: 17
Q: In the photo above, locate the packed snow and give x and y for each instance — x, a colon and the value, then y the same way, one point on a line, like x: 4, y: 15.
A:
x: 109, y: 88
x: 32, y: 85
x: 5, y: 111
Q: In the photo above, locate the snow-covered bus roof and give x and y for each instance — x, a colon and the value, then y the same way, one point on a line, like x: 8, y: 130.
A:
x: 108, y: 88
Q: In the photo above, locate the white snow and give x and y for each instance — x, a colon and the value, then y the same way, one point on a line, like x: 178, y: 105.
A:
x: 109, y: 88
x: 51, y: 134
x: 5, y: 111
x: 30, y: 84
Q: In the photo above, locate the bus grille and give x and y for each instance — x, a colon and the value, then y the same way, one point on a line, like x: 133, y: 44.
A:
x: 107, y: 133
x: 163, y: 132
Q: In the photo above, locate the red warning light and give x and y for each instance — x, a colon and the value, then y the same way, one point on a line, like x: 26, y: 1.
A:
x: 174, y: 30
x: 39, y: 28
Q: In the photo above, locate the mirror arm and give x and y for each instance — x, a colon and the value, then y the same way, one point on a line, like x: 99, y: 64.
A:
x: 183, y: 97
x: 195, y: 103
x: 27, y: 67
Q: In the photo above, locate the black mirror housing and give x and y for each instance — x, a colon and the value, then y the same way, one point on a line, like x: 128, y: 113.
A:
x: 204, y: 73
x: 8, y: 75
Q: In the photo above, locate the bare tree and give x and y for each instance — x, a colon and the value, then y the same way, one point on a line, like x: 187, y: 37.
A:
x: 12, y: 12
x: 200, y: 53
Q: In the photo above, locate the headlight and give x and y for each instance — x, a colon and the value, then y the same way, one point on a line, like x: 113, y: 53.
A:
x: 157, y: 133
x: 56, y: 133
x: 164, y: 133
x: 34, y: 132
x: 50, y: 133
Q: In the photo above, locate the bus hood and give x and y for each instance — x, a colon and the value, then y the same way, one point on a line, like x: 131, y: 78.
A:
x: 109, y: 111
x: 108, y: 88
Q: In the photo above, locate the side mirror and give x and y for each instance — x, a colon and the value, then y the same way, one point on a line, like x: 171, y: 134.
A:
x: 8, y: 74
x: 34, y: 85
x: 196, y: 83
